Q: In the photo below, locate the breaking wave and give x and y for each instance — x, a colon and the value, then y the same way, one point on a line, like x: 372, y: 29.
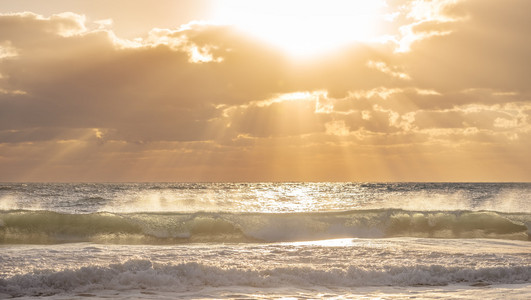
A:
x: 142, y: 274
x: 45, y: 227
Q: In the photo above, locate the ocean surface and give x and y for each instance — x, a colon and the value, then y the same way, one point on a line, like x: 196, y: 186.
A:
x: 265, y: 240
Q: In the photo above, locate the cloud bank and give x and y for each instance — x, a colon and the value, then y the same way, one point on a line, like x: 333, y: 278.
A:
x: 445, y: 97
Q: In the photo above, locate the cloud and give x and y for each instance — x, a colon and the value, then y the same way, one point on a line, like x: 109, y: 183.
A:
x: 383, y: 67
x: 79, y: 102
x: 149, y: 92
x: 19, y: 27
x: 168, y: 86
x: 484, y: 50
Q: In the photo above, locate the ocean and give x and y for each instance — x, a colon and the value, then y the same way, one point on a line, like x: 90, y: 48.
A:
x: 265, y: 240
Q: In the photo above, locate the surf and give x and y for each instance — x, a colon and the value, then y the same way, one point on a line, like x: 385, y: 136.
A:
x: 48, y: 227
x: 138, y: 274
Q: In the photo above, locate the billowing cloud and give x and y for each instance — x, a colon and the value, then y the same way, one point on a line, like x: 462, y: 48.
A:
x: 446, y: 94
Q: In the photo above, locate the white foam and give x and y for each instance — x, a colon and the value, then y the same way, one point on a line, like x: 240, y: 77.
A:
x: 139, y: 274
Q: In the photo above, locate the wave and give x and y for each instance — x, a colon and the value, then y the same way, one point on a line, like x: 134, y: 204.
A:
x: 45, y: 227
x: 143, y: 274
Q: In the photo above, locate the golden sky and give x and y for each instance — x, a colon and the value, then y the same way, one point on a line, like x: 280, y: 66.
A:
x: 204, y: 90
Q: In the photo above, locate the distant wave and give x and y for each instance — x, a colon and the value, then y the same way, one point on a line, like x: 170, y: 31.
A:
x: 45, y: 227
x: 142, y: 274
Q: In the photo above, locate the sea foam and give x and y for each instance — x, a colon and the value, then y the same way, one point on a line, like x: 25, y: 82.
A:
x: 140, y: 274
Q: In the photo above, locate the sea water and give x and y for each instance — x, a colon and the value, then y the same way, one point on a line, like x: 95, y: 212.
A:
x: 265, y: 240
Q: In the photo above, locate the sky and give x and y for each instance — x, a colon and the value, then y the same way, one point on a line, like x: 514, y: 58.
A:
x: 205, y: 90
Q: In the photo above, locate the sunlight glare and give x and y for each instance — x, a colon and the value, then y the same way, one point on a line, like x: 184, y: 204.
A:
x: 304, y: 27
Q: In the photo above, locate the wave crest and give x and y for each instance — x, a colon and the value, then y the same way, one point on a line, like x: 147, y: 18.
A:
x: 44, y: 227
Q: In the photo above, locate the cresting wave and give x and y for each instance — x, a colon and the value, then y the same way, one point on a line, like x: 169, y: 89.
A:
x: 45, y: 227
x: 139, y: 274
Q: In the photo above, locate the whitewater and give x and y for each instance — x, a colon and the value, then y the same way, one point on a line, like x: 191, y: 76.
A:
x: 265, y: 240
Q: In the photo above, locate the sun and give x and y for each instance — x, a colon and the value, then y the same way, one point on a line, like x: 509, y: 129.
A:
x: 303, y: 27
